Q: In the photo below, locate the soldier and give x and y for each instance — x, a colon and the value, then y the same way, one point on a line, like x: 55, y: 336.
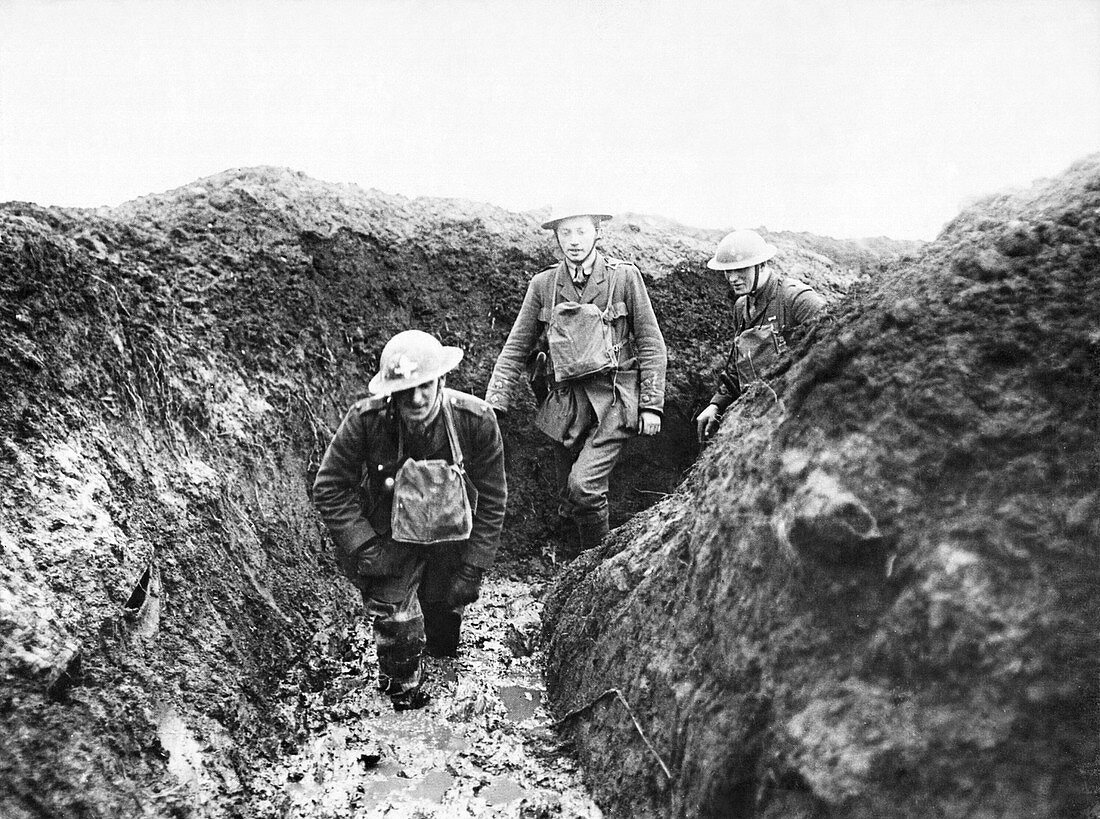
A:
x: 595, y: 357
x: 412, y: 488
x: 767, y: 308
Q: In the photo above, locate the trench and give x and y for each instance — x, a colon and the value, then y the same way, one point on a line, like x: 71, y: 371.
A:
x: 325, y: 742
x: 177, y: 640
x: 488, y: 743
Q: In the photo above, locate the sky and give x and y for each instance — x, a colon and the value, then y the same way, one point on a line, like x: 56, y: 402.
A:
x: 846, y: 118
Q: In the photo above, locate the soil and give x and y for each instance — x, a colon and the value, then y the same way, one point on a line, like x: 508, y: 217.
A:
x: 174, y: 637
x: 875, y: 593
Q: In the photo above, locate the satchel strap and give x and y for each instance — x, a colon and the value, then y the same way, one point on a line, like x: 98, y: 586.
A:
x: 610, y: 289
x: 452, y: 435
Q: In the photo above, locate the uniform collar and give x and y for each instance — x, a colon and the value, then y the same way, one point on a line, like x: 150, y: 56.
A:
x: 423, y: 438
x: 581, y: 276
x: 596, y: 275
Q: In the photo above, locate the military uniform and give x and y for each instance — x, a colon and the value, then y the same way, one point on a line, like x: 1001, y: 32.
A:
x: 762, y: 328
x: 404, y: 585
x: 590, y: 417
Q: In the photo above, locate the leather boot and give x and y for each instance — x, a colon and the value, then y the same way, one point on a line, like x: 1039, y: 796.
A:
x: 442, y: 625
x: 591, y: 528
x: 568, y: 544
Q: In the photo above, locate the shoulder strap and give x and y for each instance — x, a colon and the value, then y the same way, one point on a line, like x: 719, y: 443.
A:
x: 554, y: 293
x: 783, y: 302
x: 452, y: 433
x: 612, y: 270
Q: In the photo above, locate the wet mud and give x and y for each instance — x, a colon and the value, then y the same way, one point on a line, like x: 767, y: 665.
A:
x: 483, y: 746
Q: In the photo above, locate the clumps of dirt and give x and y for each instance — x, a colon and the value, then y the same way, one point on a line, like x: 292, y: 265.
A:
x: 875, y: 593
x: 173, y: 369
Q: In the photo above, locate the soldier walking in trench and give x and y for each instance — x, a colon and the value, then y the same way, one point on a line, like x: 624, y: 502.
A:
x: 588, y: 342
x: 766, y: 309
x: 412, y: 488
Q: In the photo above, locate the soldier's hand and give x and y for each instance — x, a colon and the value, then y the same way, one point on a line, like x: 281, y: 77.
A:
x: 369, y: 558
x: 465, y: 586
x: 649, y: 423
x: 707, y: 422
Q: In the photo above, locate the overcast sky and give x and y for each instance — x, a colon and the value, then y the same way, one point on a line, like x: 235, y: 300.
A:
x: 847, y: 117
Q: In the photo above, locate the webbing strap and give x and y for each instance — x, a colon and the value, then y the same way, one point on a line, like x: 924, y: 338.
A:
x: 452, y: 435
x: 610, y: 289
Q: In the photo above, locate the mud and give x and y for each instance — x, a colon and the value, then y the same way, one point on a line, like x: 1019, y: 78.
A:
x: 482, y: 747
x: 172, y: 370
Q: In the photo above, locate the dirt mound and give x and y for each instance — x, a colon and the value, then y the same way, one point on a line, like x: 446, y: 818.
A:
x: 173, y: 369
x: 875, y: 594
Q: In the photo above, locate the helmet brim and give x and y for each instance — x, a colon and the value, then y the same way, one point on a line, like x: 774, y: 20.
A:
x: 381, y: 386
x: 766, y: 254
x: 551, y: 224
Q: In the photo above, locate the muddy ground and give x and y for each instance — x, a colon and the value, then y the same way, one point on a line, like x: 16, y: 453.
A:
x: 175, y: 638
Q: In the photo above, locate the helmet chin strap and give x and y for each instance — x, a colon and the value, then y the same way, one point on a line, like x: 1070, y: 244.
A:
x: 755, y: 280
x: 756, y: 277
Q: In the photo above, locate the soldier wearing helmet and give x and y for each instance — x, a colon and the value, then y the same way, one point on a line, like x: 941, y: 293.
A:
x: 767, y: 307
x: 588, y: 342
x: 412, y: 489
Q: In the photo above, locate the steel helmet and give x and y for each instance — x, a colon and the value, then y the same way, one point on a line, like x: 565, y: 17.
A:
x: 412, y: 358
x: 567, y: 210
x: 740, y: 249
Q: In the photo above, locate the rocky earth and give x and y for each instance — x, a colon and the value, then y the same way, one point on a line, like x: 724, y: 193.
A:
x: 170, y: 615
x: 875, y: 593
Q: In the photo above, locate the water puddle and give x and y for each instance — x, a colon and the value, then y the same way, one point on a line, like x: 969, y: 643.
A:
x: 520, y: 701
x: 502, y: 791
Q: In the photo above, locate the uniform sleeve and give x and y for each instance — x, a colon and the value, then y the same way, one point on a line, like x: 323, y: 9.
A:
x: 723, y: 398
x: 485, y: 468
x: 508, y: 371
x: 336, y: 488
x: 805, y: 305
x: 649, y: 344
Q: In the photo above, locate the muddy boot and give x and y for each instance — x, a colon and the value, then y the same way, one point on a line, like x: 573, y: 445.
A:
x: 442, y: 625
x: 411, y: 700
x: 404, y: 697
x: 400, y: 645
x: 568, y: 542
x: 591, y: 528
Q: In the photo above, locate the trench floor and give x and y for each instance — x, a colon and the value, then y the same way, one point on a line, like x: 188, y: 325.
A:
x: 483, y: 747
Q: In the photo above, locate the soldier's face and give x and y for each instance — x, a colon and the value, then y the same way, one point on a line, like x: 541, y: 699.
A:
x: 741, y: 281
x: 577, y: 237
x: 418, y: 405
